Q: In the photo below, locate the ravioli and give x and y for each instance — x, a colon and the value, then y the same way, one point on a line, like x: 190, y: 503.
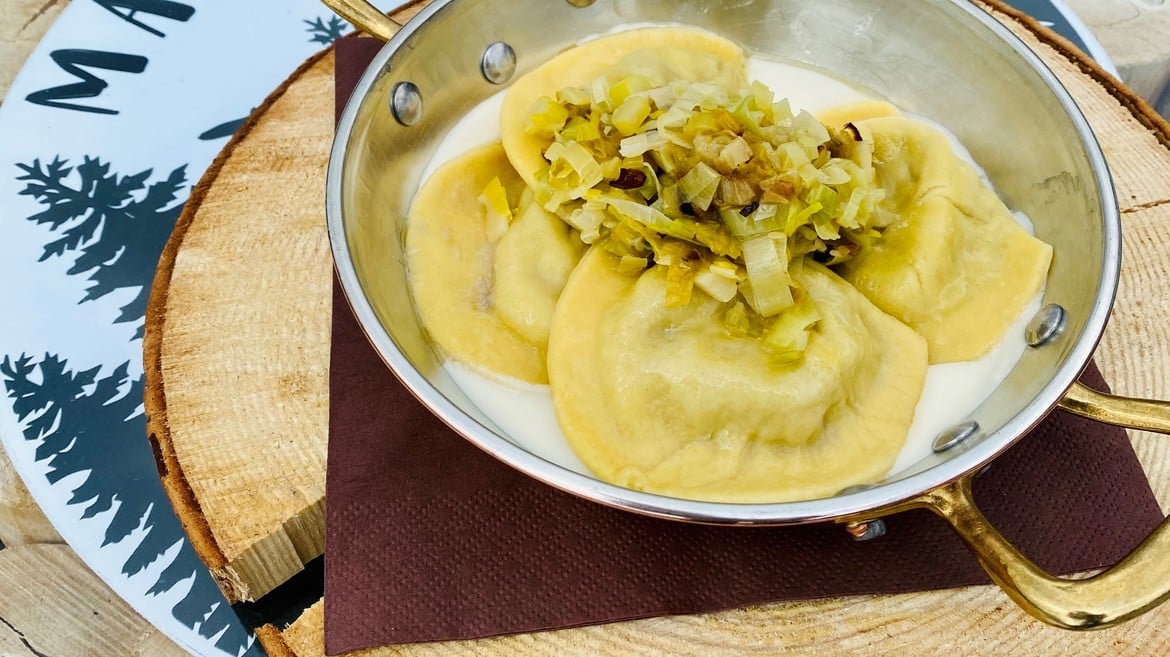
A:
x: 480, y: 298
x: 660, y: 399
x: 837, y: 117
x: 955, y: 266
x: 533, y: 262
x: 674, y: 52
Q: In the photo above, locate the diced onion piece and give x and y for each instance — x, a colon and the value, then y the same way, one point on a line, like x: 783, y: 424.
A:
x: 736, y: 153
x: 628, y: 117
x: 807, y: 125
x: 580, y: 128
x: 611, y: 168
x: 792, y: 156
x: 726, y: 269
x: 600, y: 91
x: 852, y: 207
x: 788, y: 337
x: 701, y: 123
x: 719, y: 287
x: 766, y: 260
x: 782, y: 111
x: 546, y: 118
x: 644, y: 215
x: 627, y: 87
x: 640, y: 143
x: 698, y: 187
x: 632, y: 265
x: 736, y: 322
x: 587, y: 219
x: 834, y: 173
x: 497, y: 212
x: 572, y: 168
x: 736, y: 191
x: 574, y: 96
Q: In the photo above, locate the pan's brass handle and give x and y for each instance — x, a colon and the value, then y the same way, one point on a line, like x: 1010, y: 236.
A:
x: 365, y: 17
x: 1137, y: 584
x: 1147, y: 414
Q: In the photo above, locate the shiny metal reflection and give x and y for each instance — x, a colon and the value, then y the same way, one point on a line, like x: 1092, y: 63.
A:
x: 1046, y: 326
x: 406, y: 103
x: 498, y: 63
x: 954, y: 436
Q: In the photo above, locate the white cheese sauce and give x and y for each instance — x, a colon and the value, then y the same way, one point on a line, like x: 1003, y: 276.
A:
x: 525, y: 413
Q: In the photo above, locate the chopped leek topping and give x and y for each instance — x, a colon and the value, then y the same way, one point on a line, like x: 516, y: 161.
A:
x: 716, y: 180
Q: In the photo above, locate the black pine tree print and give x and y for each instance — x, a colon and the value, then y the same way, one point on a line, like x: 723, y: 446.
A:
x: 93, y: 426
x: 324, y: 32
x: 90, y: 427
x: 117, y: 224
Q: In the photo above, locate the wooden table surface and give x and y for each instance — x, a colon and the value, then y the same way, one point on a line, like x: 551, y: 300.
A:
x: 74, y: 614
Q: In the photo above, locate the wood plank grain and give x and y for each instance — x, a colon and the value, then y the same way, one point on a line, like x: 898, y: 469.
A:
x: 21, y: 521
x: 22, y: 24
x: 53, y: 605
x: 975, y: 622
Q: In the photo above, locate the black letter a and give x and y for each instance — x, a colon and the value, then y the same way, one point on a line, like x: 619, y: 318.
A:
x: 91, y: 86
x: 173, y: 10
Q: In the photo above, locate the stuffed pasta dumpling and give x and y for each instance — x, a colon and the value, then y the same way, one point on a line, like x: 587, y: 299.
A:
x: 661, y: 399
x: 485, y: 281
x: 955, y: 266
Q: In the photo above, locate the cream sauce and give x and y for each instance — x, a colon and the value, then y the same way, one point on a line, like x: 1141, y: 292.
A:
x: 525, y: 413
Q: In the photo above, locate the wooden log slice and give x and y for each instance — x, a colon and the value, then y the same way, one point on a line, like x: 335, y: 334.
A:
x: 237, y: 343
x: 237, y: 351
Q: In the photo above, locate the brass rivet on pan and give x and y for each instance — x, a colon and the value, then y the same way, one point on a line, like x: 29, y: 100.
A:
x: 955, y: 435
x: 866, y: 531
x: 498, y: 63
x: 863, y: 530
x: 580, y: 3
x: 406, y: 103
x: 1046, y: 325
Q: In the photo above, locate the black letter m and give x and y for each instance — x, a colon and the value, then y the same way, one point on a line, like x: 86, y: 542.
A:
x: 90, y: 86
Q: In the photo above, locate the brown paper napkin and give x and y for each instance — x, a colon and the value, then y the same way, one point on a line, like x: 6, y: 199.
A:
x: 430, y: 539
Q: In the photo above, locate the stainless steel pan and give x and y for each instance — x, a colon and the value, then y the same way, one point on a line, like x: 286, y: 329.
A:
x: 943, y: 59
